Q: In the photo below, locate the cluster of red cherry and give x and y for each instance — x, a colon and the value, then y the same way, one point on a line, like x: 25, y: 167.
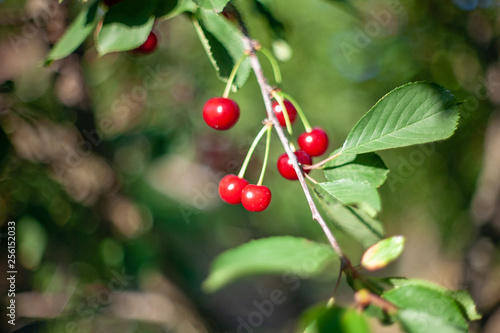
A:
x: 151, y: 43
x: 222, y: 113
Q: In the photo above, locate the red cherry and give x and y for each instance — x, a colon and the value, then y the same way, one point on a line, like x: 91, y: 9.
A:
x: 256, y: 198
x: 292, y: 112
x: 149, y: 46
x: 221, y: 113
x: 230, y: 188
x: 314, y: 143
x: 110, y: 3
x: 285, y: 166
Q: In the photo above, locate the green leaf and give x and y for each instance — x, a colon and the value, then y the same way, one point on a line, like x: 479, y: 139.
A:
x: 126, y: 26
x: 268, y: 256
x: 84, y: 23
x: 217, y: 53
x: 352, y: 221
x: 411, y: 114
x: 462, y: 297
x: 165, y: 7
x: 214, y: 5
x: 223, y: 43
x: 425, y: 309
x: 364, y: 167
x: 181, y: 7
x: 321, y: 319
x: 383, y: 253
x: 377, y: 313
x: 353, y: 193
x: 413, y: 321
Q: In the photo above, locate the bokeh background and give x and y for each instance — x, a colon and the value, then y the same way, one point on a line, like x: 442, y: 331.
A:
x: 111, y: 174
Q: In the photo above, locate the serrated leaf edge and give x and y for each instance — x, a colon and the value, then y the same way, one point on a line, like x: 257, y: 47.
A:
x: 457, y: 104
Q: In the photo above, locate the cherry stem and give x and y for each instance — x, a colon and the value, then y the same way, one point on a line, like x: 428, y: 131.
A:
x: 266, y: 90
x: 301, y: 113
x: 323, y: 162
x: 337, y: 283
x: 266, y: 155
x: 284, y: 111
x: 251, y: 150
x: 310, y: 178
x: 364, y: 298
x: 230, y: 80
x: 274, y: 64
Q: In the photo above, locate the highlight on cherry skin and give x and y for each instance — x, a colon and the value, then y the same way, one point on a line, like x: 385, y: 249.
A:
x: 291, y: 111
x: 230, y: 188
x: 221, y: 113
x: 285, y: 166
x: 149, y: 46
x: 256, y: 198
x: 315, y: 142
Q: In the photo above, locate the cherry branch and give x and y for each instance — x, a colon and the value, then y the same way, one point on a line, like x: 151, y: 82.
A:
x: 266, y: 89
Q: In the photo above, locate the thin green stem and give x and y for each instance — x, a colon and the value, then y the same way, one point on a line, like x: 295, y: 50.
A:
x: 301, y: 113
x: 250, y: 151
x: 310, y: 178
x: 274, y: 64
x: 266, y: 156
x: 284, y: 110
x: 230, y: 80
x: 323, y: 162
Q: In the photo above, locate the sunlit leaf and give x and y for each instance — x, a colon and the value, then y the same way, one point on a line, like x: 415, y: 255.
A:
x: 465, y: 300
x: 425, y: 309
x: 462, y: 297
x: 353, y: 193
x: 272, y: 255
x: 364, y: 167
x: 411, y: 114
x: 383, y: 253
x: 413, y: 321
